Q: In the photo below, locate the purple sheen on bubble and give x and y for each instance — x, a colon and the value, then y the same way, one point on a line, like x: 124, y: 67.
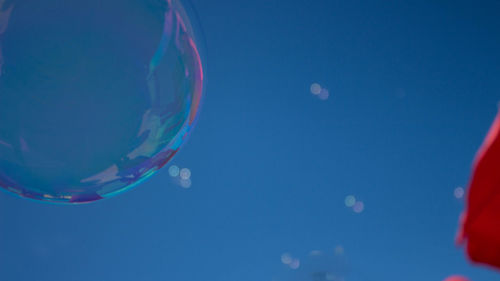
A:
x: 324, y: 94
x: 95, y: 95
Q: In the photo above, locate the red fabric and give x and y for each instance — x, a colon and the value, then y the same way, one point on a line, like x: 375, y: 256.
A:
x: 456, y: 278
x: 481, y: 220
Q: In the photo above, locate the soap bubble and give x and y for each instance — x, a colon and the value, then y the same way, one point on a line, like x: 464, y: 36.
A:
x: 320, y: 266
x: 350, y: 201
x: 315, y: 88
x: 185, y: 173
x: 286, y: 258
x: 95, y: 95
x: 295, y: 264
x: 358, y: 207
x: 185, y: 183
x: 173, y: 171
x: 459, y: 192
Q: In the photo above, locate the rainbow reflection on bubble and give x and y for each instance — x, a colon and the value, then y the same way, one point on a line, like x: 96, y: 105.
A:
x: 95, y: 95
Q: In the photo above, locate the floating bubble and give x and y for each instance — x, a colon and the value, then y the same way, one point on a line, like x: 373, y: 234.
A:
x: 350, y: 201
x: 295, y: 264
x: 322, y: 266
x: 286, y: 258
x: 324, y: 94
x: 185, y: 174
x: 186, y: 183
x: 173, y: 171
x: 95, y: 95
x: 459, y: 192
x: 315, y: 89
x: 359, y: 207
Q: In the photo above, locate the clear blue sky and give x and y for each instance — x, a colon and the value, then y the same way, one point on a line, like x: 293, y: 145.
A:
x: 414, y: 86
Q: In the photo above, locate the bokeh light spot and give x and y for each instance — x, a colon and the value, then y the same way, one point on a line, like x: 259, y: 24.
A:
x: 358, y: 207
x: 173, y: 171
x: 349, y: 201
x: 295, y: 264
x: 315, y: 89
x: 185, y: 174
x: 186, y: 183
x: 286, y: 258
x: 324, y: 94
x: 459, y: 192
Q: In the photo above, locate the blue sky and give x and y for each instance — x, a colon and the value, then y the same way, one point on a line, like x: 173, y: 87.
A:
x: 413, y: 89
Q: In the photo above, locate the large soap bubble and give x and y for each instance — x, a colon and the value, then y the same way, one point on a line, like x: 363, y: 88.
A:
x: 95, y: 95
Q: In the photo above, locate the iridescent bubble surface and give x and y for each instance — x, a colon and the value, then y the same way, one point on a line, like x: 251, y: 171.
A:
x: 95, y: 95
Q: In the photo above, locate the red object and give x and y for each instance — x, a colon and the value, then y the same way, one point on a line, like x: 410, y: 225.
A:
x: 481, y: 220
x: 456, y: 278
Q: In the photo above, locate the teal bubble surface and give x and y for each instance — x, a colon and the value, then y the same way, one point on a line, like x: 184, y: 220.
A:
x: 95, y: 95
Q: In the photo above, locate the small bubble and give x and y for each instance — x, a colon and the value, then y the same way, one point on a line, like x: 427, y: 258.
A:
x: 186, y: 183
x: 350, y: 201
x: 295, y: 264
x: 359, y: 207
x: 286, y: 258
x: 173, y: 171
x: 315, y: 89
x: 185, y: 174
x: 459, y: 192
x: 324, y: 94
